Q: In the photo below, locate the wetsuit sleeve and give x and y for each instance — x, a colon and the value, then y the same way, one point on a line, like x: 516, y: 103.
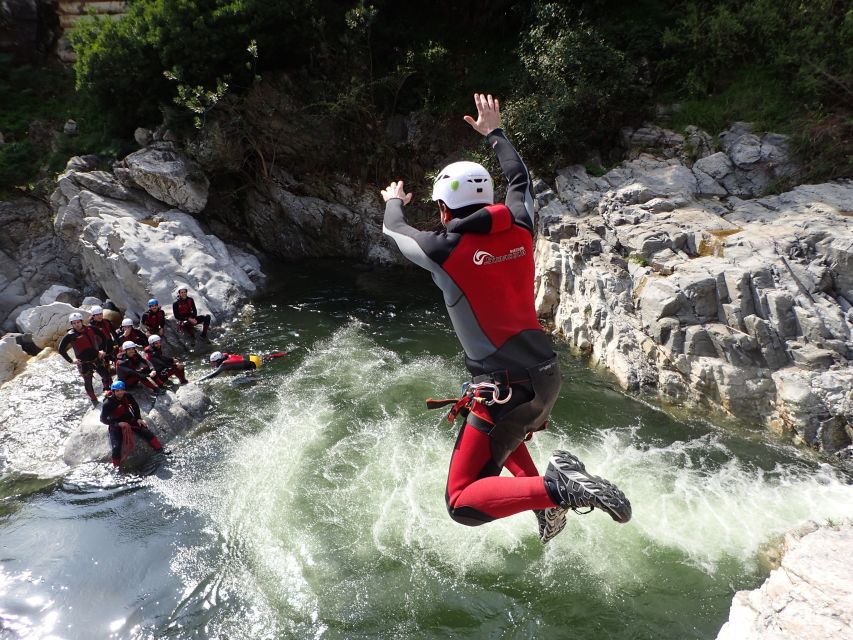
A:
x: 194, y: 311
x: 176, y: 313
x: 135, y: 406
x: 519, y: 196
x: 106, y: 410
x: 425, y: 248
x: 63, y: 346
x: 212, y: 374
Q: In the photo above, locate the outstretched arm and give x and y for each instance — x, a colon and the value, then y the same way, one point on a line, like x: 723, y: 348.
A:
x: 519, y: 197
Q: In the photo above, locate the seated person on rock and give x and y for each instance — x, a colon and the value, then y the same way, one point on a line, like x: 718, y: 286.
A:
x: 163, y: 365
x: 122, y: 415
x: 153, y: 321
x: 234, y: 362
x: 105, y: 327
x: 89, y: 354
x: 133, y: 369
x: 186, y: 315
x: 127, y: 332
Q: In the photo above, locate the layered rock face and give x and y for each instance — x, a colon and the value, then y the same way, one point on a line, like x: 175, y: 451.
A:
x: 666, y: 273
x: 810, y: 596
x: 32, y: 258
x: 135, y: 246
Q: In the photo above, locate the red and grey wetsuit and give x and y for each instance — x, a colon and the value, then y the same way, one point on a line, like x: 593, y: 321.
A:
x: 126, y: 409
x: 163, y: 366
x: 184, y: 309
x: 153, y: 322
x: 483, y: 264
x: 232, y: 362
x: 133, y: 370
x: 86, y: 344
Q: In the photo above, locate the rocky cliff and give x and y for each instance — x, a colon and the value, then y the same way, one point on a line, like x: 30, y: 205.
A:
x: 672, y: 274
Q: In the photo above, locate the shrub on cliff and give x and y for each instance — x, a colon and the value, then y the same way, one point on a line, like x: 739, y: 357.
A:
x: 577, y: 88
x: 198, y: 43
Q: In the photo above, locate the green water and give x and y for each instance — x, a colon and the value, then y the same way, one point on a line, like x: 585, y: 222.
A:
x: 310, y: 502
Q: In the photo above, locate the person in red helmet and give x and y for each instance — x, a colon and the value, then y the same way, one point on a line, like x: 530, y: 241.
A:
x: 483, y: 262
x: 162, y: 365
x: 89, y: 354
x: 153, y: 321
x: 186, y: 315
x: 123, y: 418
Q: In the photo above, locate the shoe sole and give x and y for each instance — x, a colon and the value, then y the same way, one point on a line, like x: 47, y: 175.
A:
x: 598, y: 492
x: 551, y: 522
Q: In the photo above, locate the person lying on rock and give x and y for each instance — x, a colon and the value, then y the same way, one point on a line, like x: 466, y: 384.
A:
x: 133, y: 369
x: 105, y: 327
x: 153, y: 321
x: 123, y: 418
x: 186, y: 315
x: 233, y: 362
x: 483, y: 262
x: 89, y: 354
x: 162, y: 365
x: 128, y: 333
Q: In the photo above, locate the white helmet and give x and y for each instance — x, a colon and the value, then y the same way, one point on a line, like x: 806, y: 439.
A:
x: 127, y: 322
x: 216, y: 356
x: 96, y: 311
x: 181, y: 287
x: 130, y: 344
x: 75, y: 316
x: 463, y: 183
x: 153, y: 339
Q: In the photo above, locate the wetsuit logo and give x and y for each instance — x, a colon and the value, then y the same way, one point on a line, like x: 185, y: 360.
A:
x: 484, y: 257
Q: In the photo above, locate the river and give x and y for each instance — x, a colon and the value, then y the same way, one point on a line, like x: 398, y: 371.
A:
x: 310, y: 501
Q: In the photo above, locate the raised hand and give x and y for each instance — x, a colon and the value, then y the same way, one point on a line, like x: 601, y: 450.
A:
x: 395, y: 190
x: 488, y: 114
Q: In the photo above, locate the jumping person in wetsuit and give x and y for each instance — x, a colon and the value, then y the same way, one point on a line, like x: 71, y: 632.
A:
x: 89, y: 350
x: 186, y: 315
x: 133, y: 369
x: 483, y: 263
x: 163, y: 365
x: 121, y: 412
x: 153, y: 321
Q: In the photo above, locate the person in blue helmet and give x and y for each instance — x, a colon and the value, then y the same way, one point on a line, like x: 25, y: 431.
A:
x: 153, y: 321
x: 123, y: 418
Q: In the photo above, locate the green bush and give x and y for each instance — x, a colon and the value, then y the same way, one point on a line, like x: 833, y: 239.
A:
x: 578, y: 89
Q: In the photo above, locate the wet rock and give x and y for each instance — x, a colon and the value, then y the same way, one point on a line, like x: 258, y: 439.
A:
x: 809, y: 597
x: 167, y: 415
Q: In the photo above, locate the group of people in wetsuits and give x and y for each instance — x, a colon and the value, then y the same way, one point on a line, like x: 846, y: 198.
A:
x: 136, y: 357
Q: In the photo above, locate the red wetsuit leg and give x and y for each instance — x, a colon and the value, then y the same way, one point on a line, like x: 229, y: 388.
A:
x: 520, y: 463
x: 475, y: 492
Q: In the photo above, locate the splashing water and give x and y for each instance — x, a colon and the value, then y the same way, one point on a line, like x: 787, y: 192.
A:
x: 311, y: 504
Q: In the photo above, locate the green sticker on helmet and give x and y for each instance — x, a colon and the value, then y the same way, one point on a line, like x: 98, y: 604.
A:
x: 454, y: 185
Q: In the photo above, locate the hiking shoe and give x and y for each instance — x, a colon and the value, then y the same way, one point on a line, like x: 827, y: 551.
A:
x: 571, y: 487
x: 551, y: 522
